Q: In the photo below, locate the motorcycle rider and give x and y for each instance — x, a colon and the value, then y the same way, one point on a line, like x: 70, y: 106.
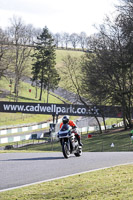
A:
x: 65, y: 120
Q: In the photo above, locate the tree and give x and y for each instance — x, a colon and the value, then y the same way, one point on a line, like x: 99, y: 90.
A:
x: 5, y: 56
x: 43, y: 69
x: 71, y: 73
x: 57, y: 39
x: 66, y: 39
x: 74, y: 39
x: 73, y: 81
x: 108, y: 74
x: 90, y: 40
x: 21, y: 36
x: 83, y: 40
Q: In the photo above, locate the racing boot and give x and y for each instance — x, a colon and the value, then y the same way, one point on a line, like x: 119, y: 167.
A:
x: 80, y: 143
x: 79, y: 140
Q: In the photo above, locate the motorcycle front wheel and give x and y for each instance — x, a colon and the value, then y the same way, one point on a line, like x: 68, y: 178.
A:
x: 65, y: 150
x: 79, y: 152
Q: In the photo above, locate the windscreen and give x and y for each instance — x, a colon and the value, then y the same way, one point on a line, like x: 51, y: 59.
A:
x: 64, y: 127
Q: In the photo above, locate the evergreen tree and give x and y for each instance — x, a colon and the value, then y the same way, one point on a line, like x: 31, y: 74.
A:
x: 43, y: 69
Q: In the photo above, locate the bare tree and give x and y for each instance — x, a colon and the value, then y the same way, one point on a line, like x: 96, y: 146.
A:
x: 61, y: 40
x: 66, y: 39
x: 90, y: 40
x: 74, y: 39
x: 5, y: 53
x: 57, y: 39
x: 72, y: 75
x: 21, y: 35
x: 83, y: 40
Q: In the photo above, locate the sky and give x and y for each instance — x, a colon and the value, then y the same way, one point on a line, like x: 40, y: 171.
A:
x: 71, y: 16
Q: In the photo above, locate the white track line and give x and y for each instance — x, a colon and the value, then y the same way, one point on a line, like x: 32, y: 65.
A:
x: 17, y: 187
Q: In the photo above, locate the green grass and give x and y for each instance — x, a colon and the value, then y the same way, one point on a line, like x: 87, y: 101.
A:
x: 26, y: 96
x: 121, y: 141
x: 115, y: 183
x: 20, y: 118
x: 55, y: 146
x: 60, y: 54
x: 111, y: 121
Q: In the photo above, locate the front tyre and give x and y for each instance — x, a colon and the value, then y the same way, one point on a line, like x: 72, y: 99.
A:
x: 65, y: 150
x: 79, y: 152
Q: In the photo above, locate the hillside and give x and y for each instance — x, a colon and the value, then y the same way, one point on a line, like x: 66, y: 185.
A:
x: 6, y: 94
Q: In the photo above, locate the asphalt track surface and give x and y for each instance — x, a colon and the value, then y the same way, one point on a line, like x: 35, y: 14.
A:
x: 18, y: 169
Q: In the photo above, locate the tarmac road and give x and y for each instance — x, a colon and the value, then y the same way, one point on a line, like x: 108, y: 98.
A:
x: 17, y: 169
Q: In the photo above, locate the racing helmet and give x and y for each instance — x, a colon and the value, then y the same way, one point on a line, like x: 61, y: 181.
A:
x: 65, y: 119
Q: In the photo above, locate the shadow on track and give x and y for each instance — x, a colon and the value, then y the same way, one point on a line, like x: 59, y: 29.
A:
x: 41, y: 158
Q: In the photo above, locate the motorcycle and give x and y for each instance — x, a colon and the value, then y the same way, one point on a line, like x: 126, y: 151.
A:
x: 69, y: 142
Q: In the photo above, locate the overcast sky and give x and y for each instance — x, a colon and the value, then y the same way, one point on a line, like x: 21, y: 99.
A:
x: 58, y: 15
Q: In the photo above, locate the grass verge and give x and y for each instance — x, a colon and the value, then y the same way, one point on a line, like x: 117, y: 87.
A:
x: 97, y: 143
x: 114, y: 183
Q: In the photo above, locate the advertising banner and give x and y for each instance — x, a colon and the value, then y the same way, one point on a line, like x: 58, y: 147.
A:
x: 61, y: 109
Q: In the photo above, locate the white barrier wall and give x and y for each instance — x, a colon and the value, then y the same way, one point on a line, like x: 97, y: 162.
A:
x: 39, y: 135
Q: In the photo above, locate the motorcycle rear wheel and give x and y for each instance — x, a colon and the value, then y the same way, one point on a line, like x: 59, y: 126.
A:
x: 65, y: 150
